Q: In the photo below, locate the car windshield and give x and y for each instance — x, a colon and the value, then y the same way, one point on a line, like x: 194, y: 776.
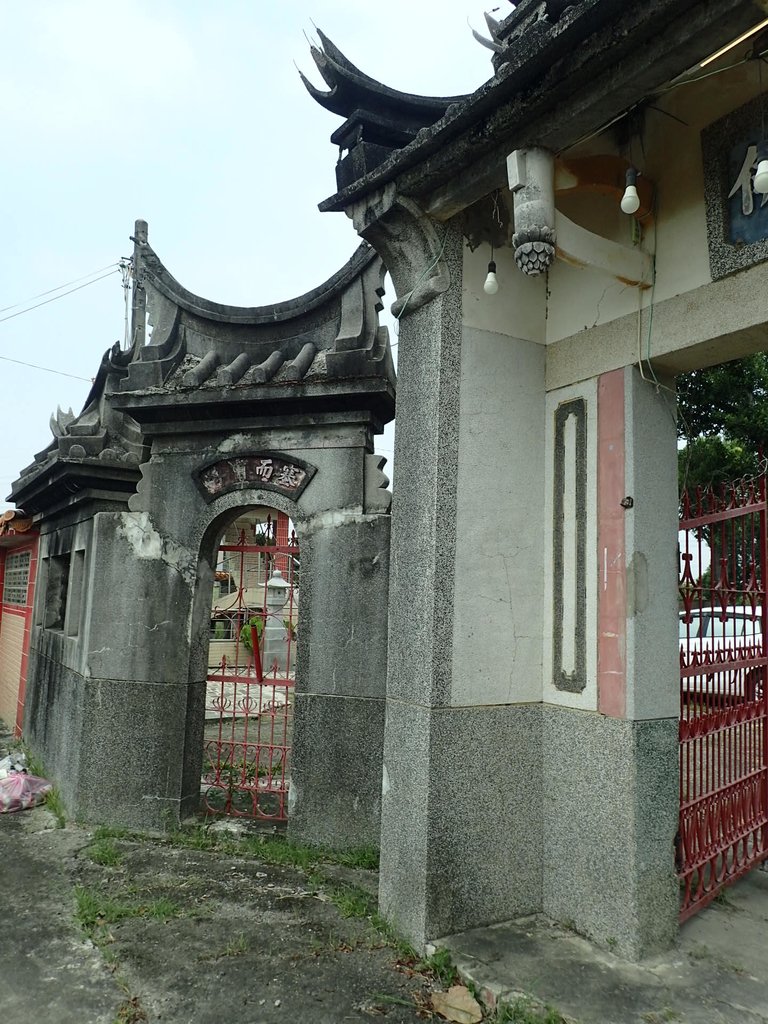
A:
x: 706, y: 625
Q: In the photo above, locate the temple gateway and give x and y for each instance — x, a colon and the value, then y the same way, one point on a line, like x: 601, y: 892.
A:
x: 487, y: 676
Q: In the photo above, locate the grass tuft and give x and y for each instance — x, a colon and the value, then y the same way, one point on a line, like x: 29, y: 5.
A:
x: 55, y: 805
x: 351, y: 901
x: 276, y: 850
x: 94, y: 909
x: 527, y: 1011
x: 105, y: 853
x: 237, y: 946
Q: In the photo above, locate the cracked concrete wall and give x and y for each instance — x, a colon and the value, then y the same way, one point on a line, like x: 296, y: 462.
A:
x: 108, y: 712
x: 116, y: 709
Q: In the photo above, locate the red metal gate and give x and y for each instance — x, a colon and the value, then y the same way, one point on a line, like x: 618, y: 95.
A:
x: 249, y: 695
x: 723, y: 694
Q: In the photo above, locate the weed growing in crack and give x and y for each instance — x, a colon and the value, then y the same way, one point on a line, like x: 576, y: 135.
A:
x: 131, y: 1012
x: 441, y: 966
x: 527, y: 1011
x: 55, y: 805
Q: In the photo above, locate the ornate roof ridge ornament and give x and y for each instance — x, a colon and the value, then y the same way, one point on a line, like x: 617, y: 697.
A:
x: 494, y: 42
x: 329, y: 332
x: 527, y: 16
x: 379, y: 119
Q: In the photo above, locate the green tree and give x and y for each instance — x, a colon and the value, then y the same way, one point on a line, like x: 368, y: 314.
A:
x: 246, y: 639
x: 723, y: 421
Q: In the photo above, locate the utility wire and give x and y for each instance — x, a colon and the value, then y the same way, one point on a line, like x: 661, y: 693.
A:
x: 45, y: 302
x: 47, y: 369
x: 40, y: 295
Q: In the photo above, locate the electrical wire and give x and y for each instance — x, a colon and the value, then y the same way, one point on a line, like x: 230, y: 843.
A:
x: 47, y: 369
x: 409, y: 296
x: 662, y: 92
x: 672, y: 405
x: 37, y: 305
x: 50, y: 291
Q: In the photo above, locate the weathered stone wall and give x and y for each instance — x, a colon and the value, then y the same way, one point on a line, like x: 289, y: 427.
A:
x: 116, y: 711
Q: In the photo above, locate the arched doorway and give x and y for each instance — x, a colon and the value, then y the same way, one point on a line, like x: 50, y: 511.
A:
x: 225, y: 410
x: 250, y: 684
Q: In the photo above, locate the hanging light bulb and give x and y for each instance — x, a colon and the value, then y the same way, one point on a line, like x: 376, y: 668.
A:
x: 761, y: 177
x: 491, y: 285
x: 630, y: 201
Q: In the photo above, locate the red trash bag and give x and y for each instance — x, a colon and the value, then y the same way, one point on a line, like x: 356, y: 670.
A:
x: 19, y: 791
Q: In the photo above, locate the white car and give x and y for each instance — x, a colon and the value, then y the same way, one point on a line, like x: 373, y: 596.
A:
x: 718, y: 649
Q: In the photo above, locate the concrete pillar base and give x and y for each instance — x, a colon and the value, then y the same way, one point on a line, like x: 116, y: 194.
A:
x: 461, y: 819
x: 335, y: 792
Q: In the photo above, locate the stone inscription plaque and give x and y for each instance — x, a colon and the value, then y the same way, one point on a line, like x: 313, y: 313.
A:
x: 264, y: 471
x: 737, y: 216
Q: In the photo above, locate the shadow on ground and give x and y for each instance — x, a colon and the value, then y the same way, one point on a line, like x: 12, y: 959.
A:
x: 100, y: 929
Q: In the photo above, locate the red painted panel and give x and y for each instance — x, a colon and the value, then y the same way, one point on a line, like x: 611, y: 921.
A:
x: 612, y: 570
x: 26, y: 613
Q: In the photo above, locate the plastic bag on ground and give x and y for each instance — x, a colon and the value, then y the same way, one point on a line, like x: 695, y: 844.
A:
x: 19, y: 792
x: 16, y: 762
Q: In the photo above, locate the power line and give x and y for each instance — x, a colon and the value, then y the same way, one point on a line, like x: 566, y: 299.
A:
x: 55, y: 297
x: 47, y: 369
x: 77, y: 280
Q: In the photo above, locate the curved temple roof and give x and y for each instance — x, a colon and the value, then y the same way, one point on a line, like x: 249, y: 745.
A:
x: 378, y: 119
x: 558, y: 65
x: 351, y: 88
x: 321, y: 351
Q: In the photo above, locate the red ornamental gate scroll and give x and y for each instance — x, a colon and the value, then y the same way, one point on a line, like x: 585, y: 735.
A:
x: 250, y: 684
x: 723, y: 828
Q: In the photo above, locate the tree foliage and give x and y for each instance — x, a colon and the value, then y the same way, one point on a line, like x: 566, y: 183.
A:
x: 723, y: 421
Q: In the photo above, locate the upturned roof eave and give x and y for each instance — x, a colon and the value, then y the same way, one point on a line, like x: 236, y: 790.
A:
x: 460, y: 138
x: 349, y: 87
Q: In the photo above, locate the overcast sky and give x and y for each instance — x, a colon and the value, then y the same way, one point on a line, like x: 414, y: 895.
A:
x: 191, y: 115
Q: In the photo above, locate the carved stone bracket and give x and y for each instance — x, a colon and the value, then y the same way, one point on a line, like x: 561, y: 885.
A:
x: 410, y: 243
x: 378, y: 497
x: 531, y: 174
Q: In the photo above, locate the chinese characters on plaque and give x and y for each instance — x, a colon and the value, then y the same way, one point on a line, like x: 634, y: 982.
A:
x: 272, y: 472
x: 737, y: 215
x: 747, y: 220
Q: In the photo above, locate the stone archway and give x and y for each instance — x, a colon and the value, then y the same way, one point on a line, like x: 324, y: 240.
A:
x: 225, y: 408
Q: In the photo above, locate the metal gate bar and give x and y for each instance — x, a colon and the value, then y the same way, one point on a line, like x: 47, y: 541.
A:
x: 723, y: 829
x: 249, y: 694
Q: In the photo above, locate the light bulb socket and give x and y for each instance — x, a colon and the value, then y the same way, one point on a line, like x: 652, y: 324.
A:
x: 760, y: 182
x: 491, y: 284
x: 630, y: 201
